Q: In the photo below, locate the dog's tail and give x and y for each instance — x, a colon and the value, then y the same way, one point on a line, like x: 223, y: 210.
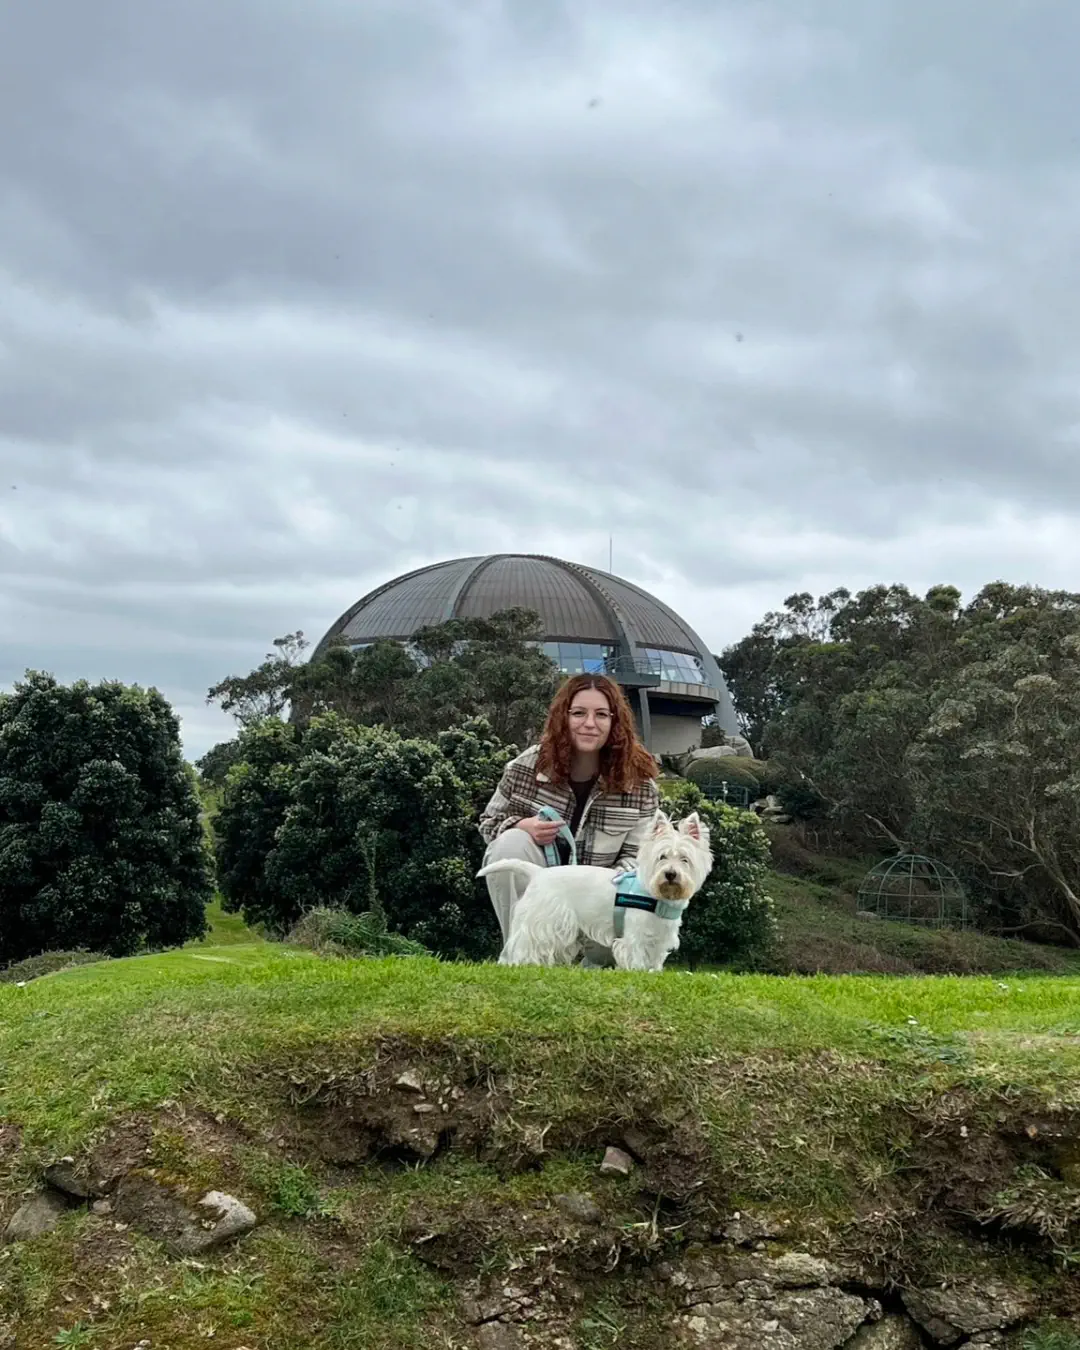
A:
x: 526, y: 869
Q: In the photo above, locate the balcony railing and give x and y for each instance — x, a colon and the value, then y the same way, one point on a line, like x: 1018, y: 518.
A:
x: 635, y: 672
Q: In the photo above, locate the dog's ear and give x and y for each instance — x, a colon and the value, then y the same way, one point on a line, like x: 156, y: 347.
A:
x: 695, y: 827
x: 661, y: 823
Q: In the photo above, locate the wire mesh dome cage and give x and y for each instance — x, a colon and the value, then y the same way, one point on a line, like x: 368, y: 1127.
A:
x: 911, y: 888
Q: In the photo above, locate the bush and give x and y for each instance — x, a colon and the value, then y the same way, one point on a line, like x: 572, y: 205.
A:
x: 101, y: 844
x: 730, y: 921
x: 711, y: 773
x: 356, y: 817
x: 338, y: 932
x: 46, y: 963
x: 801, y: 802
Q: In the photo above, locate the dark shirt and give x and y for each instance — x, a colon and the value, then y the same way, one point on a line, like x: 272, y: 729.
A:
x: 582, y: 792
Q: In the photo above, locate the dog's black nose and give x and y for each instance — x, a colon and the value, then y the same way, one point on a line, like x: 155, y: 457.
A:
x: 671, y: 876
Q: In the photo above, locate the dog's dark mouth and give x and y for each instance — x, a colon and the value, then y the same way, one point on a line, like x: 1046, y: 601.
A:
x: 673, y: 890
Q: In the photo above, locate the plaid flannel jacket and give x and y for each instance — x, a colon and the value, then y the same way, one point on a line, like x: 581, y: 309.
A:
x: 613, y: 824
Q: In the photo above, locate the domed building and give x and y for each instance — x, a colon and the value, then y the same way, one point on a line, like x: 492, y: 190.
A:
x: 592, y: 622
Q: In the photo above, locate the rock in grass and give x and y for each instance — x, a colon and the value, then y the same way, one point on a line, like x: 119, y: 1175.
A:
x: 617, y: 1163
x: 161, y: 1212
x: 62, y: 1176
x: 636, y: 1143
x: 745, y: 1229
x: 744, y: 1302
x: 499, y: 1336
x: 40, y: 1214
x: 580, y: 1207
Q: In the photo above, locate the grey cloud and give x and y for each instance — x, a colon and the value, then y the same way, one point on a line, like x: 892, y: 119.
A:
x: 295, y: 297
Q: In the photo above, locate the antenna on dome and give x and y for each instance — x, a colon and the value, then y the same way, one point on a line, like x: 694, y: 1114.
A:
x: 610, y: 545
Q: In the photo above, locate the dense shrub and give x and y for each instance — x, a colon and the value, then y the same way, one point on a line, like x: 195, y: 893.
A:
x: 730, y: 921
x: 801, y: 802
x: 735, y: 771
x: 357, y: 817
x: 101, y: 844
x: 46, y: 963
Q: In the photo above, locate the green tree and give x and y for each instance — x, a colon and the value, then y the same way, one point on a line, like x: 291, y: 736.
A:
x: 851, y: 676
x: 369, y: 686
x: 757, y: 676
x: 510, y: 679
x: 359, y: 818
x: 101, y: 845
x: 491, y: 668
x: 267, y: 690
x: 252, y: 807
x: 923, y: 722
x: 214, y: 766
x: 996, y: 772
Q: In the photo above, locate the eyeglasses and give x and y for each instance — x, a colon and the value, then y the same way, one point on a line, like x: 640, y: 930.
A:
x: 580, y: 714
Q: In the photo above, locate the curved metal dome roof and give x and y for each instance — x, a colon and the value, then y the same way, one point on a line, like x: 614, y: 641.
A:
x: 575, y: 603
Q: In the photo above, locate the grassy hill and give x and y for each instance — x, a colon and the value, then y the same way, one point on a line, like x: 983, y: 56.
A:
x: 815, y: 899
x: 915, y: 1131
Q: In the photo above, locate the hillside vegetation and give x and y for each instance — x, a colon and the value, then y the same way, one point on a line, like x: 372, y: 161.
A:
x: 890, y: 1125
x: 815, y: 903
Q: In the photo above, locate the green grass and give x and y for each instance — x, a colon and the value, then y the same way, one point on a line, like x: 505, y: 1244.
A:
x: 183, y: 1019
x: 226, y: 928
x: 805, y: 1093
x: 1052, y: 1336
x: 277, y: 1291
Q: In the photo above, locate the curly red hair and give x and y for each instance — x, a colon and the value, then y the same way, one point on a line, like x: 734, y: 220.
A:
x: 624, y: 761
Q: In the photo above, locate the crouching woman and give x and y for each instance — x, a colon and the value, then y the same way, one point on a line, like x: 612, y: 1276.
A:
x: 593, y: 773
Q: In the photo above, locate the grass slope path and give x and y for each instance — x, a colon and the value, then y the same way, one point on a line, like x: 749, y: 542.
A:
x: 422, y: 1143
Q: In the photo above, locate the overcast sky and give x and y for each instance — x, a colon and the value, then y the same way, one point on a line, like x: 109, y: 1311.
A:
x: 296, y: 295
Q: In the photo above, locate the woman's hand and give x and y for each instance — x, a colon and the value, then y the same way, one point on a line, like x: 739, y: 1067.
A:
x: 541, y: 832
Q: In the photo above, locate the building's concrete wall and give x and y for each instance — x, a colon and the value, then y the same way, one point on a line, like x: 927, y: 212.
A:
x: 674, y: 735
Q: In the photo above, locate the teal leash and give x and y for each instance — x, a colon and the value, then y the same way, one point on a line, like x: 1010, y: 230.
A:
x: 551, y: 853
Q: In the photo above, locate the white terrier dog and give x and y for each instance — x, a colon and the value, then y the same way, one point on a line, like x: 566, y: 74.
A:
x: 637, y: 915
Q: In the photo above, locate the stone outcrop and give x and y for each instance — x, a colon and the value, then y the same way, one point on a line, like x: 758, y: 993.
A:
x: 749, y: 1302
x: 949, y: 1316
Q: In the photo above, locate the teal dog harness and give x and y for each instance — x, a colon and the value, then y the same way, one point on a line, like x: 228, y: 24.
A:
x: 631, y: 894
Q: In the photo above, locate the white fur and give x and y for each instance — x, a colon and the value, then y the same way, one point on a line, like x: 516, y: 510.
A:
x: 563, y: 905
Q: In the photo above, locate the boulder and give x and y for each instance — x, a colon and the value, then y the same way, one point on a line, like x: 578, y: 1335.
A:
x: 581, y: 1207
x: 40, y: 1214
x: 802, y: 1319
x: 893, y: 1332
x: 161, y: 1212
x: 745, y: 1229
x: 499, y: 1336
x: 65, y: 1176
x: 950, y: 1315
